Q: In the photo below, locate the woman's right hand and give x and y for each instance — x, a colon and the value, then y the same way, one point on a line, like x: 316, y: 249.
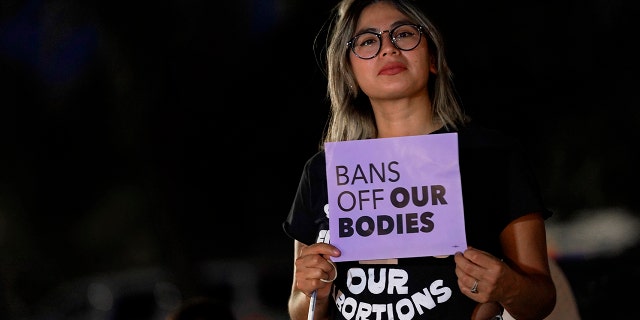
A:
x: 313, y: 268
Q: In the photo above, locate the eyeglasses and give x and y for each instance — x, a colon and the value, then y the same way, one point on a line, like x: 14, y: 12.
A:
x: 367, y: 45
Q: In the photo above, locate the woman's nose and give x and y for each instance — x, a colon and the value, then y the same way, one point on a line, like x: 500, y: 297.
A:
x: 387, y: 45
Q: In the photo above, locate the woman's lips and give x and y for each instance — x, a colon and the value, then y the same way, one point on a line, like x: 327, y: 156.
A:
x: 392, y: 68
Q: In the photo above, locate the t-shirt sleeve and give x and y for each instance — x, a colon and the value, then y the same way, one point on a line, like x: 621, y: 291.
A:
x: 308, y: 209
x: 526, y: 196
x: 498, y: 184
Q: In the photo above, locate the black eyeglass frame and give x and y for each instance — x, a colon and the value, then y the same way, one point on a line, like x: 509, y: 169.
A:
x: 350, y: 43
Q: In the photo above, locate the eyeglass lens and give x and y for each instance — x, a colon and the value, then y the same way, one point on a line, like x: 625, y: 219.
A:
x: 404, y: 37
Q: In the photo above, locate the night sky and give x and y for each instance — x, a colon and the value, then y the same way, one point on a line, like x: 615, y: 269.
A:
x: 173, y: 134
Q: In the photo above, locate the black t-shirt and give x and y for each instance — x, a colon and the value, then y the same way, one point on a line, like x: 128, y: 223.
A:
x: 498, y: 186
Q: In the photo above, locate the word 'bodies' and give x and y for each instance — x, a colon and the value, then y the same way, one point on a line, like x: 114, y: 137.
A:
x: 395, y: 197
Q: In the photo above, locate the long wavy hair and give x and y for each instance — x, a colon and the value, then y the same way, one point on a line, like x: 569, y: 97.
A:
x: 351, y: 115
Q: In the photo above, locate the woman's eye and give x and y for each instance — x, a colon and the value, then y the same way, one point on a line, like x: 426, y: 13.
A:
x: 405, y: 34
x: 367, y: 42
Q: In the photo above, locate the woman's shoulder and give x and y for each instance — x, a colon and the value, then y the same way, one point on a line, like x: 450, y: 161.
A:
x: 314, y: 167
x: 316, y: 160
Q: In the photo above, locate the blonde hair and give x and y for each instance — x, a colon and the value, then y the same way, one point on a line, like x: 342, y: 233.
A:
x: 351, y: 115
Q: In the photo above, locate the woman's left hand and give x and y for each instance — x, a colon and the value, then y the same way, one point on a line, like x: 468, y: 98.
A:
x: 481, y: 276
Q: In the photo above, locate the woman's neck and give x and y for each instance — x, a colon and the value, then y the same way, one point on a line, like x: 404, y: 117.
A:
x: 399, y: 118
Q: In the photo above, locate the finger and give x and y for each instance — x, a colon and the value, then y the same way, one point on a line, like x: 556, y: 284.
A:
x: 310, y: 276
x: 463, y: 269
x: 481, y: 258
x: 321, y: 249
x: 464, y: 264
x: 329, y: 277
x: 315, y: 267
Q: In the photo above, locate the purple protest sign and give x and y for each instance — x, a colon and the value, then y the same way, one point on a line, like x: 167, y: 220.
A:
x: 395, y: 197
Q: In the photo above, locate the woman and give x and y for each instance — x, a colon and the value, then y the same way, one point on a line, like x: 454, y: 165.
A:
x: 388, y: 77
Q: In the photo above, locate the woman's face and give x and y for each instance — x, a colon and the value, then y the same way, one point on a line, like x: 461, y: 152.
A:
x: 393, y: 73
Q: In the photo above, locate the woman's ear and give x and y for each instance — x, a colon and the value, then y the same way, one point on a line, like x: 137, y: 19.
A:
x: 432, y: 65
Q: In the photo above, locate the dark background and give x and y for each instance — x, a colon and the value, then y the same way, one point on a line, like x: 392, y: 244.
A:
x: 149, y: 151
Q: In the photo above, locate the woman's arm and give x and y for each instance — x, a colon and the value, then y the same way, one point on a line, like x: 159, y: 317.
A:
x: 521, y: 282
x: 310, y: 265
x: 529, y: 292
